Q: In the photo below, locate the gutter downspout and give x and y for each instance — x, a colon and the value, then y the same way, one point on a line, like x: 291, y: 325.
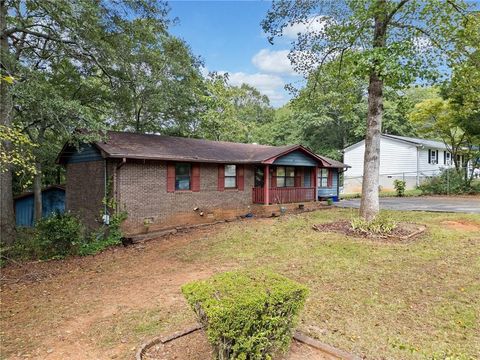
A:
x: 116, y: 177
x: 106, y: 218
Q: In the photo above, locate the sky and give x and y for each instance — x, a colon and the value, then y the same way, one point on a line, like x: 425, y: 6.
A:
x: 228, y: 37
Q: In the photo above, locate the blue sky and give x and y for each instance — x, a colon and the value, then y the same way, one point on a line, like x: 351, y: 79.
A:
x: 228, y: 37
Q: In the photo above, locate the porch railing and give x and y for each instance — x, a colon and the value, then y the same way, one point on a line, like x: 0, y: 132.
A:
x: 283, y: 195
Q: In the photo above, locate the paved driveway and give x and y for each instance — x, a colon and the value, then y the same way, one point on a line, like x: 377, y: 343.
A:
x: 424, y: 203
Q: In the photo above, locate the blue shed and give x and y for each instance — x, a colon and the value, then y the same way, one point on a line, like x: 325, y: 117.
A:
x: 53, y: 200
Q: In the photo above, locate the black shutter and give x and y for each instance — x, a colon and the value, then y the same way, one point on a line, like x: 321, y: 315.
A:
x: 429, y: 156
x: 436, y: 157
x: 444, y: 157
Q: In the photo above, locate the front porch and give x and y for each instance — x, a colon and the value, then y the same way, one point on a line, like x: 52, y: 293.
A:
x: 284, y: 184
x: 283, y: 195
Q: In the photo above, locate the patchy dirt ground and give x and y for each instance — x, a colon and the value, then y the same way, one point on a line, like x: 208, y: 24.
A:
x: 66, y: 309
x: 385, y: 300
x: 461, y: 225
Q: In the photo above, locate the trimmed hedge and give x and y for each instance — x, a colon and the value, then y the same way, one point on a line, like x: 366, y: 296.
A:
x: 247, y: 314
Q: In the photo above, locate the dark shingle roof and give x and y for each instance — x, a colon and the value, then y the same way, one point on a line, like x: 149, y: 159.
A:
x: 160, y: 147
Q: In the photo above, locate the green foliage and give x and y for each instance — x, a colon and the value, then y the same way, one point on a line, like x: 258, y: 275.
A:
x: 449, y: 182
x: 105, y: 236
x: 19, y: 153
x: 247, y: 314
x: 61, y: 235
x: 58, y: 235
x: 399, y: 186
x: 381, y: 224
x: 328, y: 116
x: 232, y: 113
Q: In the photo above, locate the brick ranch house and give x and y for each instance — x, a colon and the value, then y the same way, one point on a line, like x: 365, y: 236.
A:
x: 168, y: 181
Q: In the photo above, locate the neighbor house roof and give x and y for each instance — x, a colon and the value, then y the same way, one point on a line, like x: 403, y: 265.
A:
x: 435, y: 144
x: 418, y: 141
x: 160, y: 147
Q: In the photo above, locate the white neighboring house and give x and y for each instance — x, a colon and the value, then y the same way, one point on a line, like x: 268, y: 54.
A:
x: 401, y: 157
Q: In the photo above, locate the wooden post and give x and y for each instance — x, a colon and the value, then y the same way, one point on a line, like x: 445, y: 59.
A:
x: 266, y: 184
x: 315, y: 182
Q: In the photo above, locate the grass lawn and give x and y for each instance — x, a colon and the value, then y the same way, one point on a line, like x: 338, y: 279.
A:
x: 418, y: 300
x: 410, y: 192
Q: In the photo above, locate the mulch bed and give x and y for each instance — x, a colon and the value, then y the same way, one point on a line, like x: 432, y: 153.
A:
x: 404, y: 231
x: 195, y: 346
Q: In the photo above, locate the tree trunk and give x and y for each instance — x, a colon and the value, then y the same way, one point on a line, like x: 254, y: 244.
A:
x: 369, y: 205
x: 37, y: 179
x: 7, y: 219
x: 37, y: 191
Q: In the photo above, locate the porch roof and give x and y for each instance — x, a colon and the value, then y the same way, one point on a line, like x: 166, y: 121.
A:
x: 159, y: 147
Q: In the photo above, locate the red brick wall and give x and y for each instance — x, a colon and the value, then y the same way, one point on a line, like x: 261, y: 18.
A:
x: 141, y: 189
x: 85, y: 191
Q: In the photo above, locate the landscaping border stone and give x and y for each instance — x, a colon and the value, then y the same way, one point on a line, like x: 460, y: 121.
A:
x: 165, y: 339
x: 298, y: 336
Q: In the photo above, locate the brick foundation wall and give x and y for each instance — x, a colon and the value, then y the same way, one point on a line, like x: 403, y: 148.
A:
x: 85, y: 190
x: 141, y: 189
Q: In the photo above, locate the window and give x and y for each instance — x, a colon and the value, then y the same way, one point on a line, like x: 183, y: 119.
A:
x: 323, y: 178
x: 182, y: 176
x: 259, y: 179
x: 285, y: 176
x: 230, y: 176
x: 432, y: 156
x: 448, y: 158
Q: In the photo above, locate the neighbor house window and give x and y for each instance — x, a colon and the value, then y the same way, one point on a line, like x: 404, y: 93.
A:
x: 230, y: 176
x: 182, y: 176
x: 432, y: 156
x: 323, y: 178
x: 448, y: 158
x: 285, y: 176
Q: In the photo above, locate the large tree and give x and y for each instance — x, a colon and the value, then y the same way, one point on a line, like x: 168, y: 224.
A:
x: 156, y: 80
x: 232, y: 113
x: 391, y: 44
x: 35, y: 35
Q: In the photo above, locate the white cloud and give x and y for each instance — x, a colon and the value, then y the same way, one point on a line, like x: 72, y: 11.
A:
x: 267, y: 84
x: 315, y: 24
x: 273, y: 61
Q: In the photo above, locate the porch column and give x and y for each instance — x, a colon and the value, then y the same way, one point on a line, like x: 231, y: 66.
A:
x: 266, y: 184
x: 315, y: 181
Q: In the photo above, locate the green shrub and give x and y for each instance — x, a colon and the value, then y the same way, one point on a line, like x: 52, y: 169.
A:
x: 105, y: 236
x: 399, y: 186
x: 58, y: 235
x: 450, y: 181
x: 247, y: 314
x: 380, y: 225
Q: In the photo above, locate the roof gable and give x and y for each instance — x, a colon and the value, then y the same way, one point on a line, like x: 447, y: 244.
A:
x: 297, y: 158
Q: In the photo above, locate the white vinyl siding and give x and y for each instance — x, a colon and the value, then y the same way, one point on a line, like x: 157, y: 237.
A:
x: 395, y: 157
x: 431, y: 169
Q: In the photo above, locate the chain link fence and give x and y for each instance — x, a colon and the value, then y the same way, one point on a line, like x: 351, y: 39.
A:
x: 413, y: 179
